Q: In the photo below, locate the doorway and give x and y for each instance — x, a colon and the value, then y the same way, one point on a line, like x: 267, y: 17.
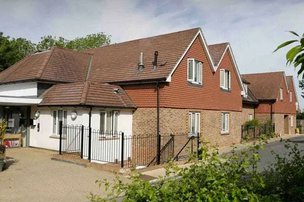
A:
x: 286, y: 124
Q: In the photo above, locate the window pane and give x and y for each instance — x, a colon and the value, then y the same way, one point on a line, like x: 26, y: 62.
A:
x: 193, y: 124
x: 189, y: 124
x: 190, y: 69
x: 227, y: 122
x: 65, y: 115
x: 223, y: 122
x: 115, y: 122
x: 109, y: 122
x: 222, y: 78
x: 59, y: 115
x: 102, y: 122
x: 197, y: 130
x: 200, y: 77
x: 196, y: 72
x: 54, y: 122
x: 226, y: 79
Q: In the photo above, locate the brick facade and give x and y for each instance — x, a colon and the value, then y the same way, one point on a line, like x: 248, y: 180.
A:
x: 175, y: 121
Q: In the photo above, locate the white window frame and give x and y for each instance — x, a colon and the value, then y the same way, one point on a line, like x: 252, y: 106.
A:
x: 281, y: 94
x: 291, y: 121
x: 290, y: 96
x: 246, y: 89
x: 111, y: 119
x: 225, y: 79
x: 194, y: 123
x: 250, y: 117
x: 56, y: 119
x: 197, y: 71
x: 225, y: 116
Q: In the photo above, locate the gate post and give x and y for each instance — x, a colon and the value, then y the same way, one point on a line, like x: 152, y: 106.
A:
x: 60, y: 137
x: 90, y: 143
x: 122, y: 150
x: 81, y: 146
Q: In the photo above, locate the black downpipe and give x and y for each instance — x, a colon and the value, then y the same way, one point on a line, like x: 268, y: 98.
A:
x: 90, y: 135
x: 157, y: 126
x: 271, y: 112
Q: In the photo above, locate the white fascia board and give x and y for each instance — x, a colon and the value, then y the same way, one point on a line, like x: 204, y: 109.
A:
x: 19, y: 101
x: 286, y: 82
x: 199, y: 33
x: 236, y: 67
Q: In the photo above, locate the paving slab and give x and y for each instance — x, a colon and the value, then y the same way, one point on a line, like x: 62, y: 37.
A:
x: 34, y: 177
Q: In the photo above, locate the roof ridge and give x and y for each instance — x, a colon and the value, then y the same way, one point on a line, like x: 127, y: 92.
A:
x: 144, y: 38
x: 86, y: 86
x: 222, y: 43
x: 120, y: 98
x: 263, y: 73
x: 44, y: 65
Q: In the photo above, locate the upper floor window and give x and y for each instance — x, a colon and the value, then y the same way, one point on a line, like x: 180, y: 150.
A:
x: 194, y: 123
x: 290, y: 96
x: 225, y: 123
x: 281, y: 93
x: 225, y: 79
x: 195, y: 71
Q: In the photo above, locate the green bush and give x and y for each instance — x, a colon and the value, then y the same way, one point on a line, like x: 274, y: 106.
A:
x: 234, y: 177
x: 252, y: 123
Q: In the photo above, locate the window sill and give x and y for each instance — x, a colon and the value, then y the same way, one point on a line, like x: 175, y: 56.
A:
x: 56, y: 137
x: 224, y: 132
x: 225, y: 90
x: 195, y: 84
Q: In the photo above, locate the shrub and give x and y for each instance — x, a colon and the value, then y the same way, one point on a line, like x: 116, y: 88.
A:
x: 252, y: 123
x: 235, y: 177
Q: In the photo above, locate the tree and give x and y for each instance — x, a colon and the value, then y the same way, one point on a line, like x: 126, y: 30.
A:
x: 13, y: 50
x: 295, y: 55
x: 89, y: 41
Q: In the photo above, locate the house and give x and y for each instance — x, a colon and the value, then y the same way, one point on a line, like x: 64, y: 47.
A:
x: 168, y: 84
x: 276, y: 97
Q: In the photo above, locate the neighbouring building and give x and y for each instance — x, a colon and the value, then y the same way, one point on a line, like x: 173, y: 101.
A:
x: 172, y: 84
x: 277, y: 99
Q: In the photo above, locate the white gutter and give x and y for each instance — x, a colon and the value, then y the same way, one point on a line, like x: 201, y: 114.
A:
x: 19, y: 100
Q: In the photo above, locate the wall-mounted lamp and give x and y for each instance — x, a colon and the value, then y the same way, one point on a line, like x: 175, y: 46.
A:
x: 37, y: 114
x: 74, y: 115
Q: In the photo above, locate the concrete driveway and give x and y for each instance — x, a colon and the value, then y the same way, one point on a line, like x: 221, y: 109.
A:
x: 35, y: 177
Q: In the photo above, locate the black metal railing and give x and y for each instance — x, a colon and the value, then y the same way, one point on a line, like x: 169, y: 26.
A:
x: 253, y: 132
x: 124, y: 149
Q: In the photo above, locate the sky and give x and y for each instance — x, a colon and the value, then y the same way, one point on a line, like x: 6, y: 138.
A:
x: 254, y: 28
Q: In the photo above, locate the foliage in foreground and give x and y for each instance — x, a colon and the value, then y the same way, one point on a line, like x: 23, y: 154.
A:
x: 235, y: 177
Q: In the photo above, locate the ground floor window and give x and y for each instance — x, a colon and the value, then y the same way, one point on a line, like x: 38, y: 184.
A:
x: 109, y: 122
x: 291, y: 121
x: 59, y: 115
x: 225, y: 123
x: 194, y: 123
x: 250, y: 117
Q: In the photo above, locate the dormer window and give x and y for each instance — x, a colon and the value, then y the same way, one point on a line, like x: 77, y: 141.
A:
x: 195, y: 71
x: 225, y: 79
x: 281, y: 93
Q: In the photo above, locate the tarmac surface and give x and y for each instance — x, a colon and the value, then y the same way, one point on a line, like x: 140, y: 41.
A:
x: 35, y: 177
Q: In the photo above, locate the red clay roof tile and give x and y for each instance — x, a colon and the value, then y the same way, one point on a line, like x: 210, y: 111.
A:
x: 88, y: 94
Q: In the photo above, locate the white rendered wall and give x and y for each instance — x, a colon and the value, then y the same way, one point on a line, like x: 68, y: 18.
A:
x: 19, y: 89
x: 46, y: 139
